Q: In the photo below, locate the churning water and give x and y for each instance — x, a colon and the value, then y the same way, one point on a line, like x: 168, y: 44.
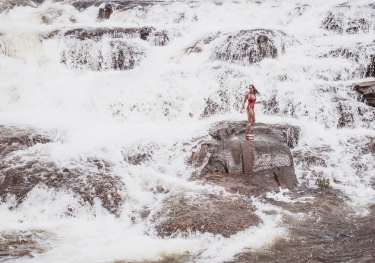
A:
x: 155, y: 104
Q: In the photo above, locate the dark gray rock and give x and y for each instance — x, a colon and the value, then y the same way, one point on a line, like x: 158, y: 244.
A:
x: 250, y: 167
x: 367, y: 92
x: 15, y: 245
x: 338, y: 22
x: 10, y: 4
x: 21, y: 171
x: 105, y: 11
x: 116, y: 4
x: 104, y: 55
x: 250, y: 46
x: 345, y: 113
x: 370, y: 70
x: 150, y: 34
x: 205, y: 213
x: 14, y: 139
x: 329, y: 232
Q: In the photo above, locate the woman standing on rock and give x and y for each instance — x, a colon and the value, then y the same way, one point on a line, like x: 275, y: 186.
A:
x: 250, y: 99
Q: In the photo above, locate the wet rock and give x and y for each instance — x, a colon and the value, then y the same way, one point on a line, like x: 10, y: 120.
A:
x: 367, y: 91
x: 15, y: 139
x: 150, y: 34
x: 103, y: 55
x: 10, y: 4
x: 329, y: 232
x: 105, y: 11
x: 22, y: 169
x: 198, y: 46
x: 116, y: 4
x: 370, y: 70
x: 250, y: 46
x: 345, y: 113
x: 271, y: 106
x: 311, y: 157
x: 15, y: 245
x: 339, y: 22
x: 371, y: 145
x: 206, y: 213
x: 216, y: 104
x: 173, y: 258
x: 248, y: 167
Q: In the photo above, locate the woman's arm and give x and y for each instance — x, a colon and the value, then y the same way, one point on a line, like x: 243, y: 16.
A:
x: 244, y: 102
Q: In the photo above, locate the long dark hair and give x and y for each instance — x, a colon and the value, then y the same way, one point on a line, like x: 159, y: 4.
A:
x: 254, y: 88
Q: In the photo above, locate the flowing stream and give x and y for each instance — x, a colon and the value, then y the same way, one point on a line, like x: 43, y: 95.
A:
x: 70, y: 89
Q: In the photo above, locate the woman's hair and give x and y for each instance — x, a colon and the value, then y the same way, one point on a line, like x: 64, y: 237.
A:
x: 252, y: 86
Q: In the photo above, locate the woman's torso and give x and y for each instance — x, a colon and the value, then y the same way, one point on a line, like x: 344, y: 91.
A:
x: 251, y: 98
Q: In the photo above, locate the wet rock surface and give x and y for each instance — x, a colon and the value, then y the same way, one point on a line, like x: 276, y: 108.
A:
x: 329, y: 232
x: 340, y: 21
x: 9, y: 4
x: 15, y: 139
x: 251, y: 46
x: 248, y: 167
x: 21, y: 170
x: 117, y: 4
x: 113, y: 54
x: 22, y: 244
x: 370, y: 70
x: 367, y: 91
x: 159, y: 38
x: 206, y: 213
x: 107, y: 48
x: 105, y: 11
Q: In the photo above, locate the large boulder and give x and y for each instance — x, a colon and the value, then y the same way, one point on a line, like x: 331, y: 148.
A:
x: 205, y: 213
x: 22, y: 169
x: 105, y: 48
x: 251, y: 46
x: 367, y: 91
x: 103, y: 55
x: 248, y: 167
x: 105, y: 11
x: 150, y: 34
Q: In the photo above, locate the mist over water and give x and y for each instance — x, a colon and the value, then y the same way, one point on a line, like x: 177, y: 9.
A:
x: 71, y: 90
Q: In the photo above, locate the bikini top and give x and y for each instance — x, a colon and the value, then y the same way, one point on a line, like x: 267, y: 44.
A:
x: 251, y: 99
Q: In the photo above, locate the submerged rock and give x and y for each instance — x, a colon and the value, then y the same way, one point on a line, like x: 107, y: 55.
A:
x: 206, y: 213
x: 22, y: 169
x: 248, y: 167
x: 330, y: 232
x: 367, y: 91
x: 19, y: 244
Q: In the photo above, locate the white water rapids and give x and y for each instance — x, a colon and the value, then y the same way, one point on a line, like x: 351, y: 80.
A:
x: 157, y: 106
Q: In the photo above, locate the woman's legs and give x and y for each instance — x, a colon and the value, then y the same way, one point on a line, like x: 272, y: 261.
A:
x: 250, y: 119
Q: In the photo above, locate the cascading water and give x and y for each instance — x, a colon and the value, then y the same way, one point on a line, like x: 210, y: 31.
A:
x: 131, y: 107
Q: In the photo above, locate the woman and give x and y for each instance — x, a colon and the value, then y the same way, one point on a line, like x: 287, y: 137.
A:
x: 250, y: 99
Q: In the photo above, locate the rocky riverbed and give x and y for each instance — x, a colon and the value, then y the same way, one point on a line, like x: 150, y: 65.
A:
x: 122, y: 138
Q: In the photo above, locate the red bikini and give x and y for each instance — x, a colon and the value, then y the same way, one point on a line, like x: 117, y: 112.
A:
x: 251, y: 101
